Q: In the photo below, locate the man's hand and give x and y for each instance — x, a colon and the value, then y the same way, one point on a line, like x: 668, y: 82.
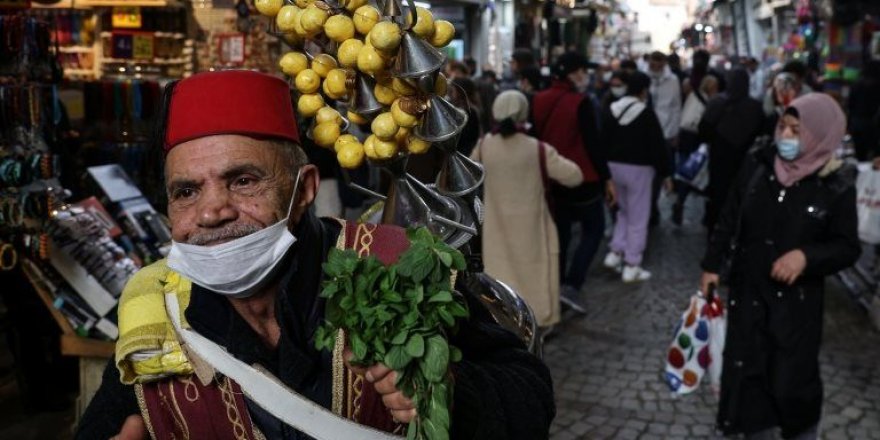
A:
x: 133, y: 429
x: 708, y: 279
x: 610, y: 193
x: 402, y: 409
x: 789, y: 267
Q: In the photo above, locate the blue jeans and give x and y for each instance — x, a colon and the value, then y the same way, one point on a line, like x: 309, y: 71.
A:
x: 591, y: 217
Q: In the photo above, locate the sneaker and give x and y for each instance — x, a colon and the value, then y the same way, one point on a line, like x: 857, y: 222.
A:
x: 568, y: 296
x: 613, y: 261
x: 635, y: 274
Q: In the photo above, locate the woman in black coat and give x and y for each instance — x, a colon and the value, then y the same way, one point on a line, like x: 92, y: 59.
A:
x: 789, y: 222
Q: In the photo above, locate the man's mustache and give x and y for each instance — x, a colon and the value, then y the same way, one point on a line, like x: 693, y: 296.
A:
x: 228, y: 232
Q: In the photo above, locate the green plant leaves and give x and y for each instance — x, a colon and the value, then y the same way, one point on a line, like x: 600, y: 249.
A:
x: 400, y: 316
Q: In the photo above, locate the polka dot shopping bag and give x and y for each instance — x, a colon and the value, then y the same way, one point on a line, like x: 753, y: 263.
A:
x: 697, y: 345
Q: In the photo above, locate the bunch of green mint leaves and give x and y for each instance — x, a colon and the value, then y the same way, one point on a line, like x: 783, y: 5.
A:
x: 400, y: 315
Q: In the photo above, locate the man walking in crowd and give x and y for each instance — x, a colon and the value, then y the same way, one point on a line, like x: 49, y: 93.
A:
x: 730, y: 125
x: 238, y: 185
x: 666, y: 102
x: 565, y: 117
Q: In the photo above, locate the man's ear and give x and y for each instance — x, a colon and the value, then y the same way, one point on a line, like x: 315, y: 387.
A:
x: 309, y: 181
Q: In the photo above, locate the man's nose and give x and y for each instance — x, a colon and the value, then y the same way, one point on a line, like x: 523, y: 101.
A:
x: 216, y: 208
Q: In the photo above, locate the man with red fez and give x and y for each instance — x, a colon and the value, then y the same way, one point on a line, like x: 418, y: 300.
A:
x: 239, y: 293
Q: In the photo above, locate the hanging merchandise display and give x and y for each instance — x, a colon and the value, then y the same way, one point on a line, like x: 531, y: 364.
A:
x: 73, y: 39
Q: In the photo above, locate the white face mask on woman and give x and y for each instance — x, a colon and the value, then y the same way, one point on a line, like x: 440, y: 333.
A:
x: 240, y: 267
x: 618, y: 91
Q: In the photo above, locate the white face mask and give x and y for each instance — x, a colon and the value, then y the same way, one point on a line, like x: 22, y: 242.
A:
x: 618, y: 91
x: 237, y: 268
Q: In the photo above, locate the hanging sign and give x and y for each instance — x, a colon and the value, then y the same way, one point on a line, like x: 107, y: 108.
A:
x: 127, y: 17
x: 231, y: 50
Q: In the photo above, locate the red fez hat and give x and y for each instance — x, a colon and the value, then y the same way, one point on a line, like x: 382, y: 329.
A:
x: 230, y: 102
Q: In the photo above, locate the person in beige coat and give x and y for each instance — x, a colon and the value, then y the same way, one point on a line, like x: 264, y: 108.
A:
x: 520, y: 244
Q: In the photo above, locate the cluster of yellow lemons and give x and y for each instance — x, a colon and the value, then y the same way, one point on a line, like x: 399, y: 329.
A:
x: 367, y: 43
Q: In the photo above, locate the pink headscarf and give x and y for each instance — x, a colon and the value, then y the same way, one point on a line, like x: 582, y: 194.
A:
x: 822, y: 127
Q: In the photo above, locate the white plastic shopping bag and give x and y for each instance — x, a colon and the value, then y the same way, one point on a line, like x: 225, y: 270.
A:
x: 868, y: 205
x: 694, y: 349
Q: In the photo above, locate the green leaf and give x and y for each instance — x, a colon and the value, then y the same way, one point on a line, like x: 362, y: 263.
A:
x: 358, y: 347
x: 458, y: 261
x: 412, y: 430
x: 441, y: 297
x: 400, y: 338
x: 432, y: 431
x: 415, y: 346
x: 397, y: 358
x: 445, y: 258
x: 447, y: 318
x: 455, y: 354
x: 436, y: 360
x: 438, y: 408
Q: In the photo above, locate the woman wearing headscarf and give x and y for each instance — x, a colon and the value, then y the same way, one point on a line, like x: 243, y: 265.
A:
x: 729, y: 125
x: 790, y: 222
x: 520, y: 244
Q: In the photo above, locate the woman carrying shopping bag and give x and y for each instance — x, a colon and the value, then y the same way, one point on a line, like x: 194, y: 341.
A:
x: 789, y: 222
x: 520, y: 245
x: 636, y: 153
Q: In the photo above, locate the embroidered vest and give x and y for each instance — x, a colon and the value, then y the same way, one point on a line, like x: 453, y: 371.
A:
x: 182, y: 407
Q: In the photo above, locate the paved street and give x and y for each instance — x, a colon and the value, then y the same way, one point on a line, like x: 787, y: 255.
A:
x: 606, y: 365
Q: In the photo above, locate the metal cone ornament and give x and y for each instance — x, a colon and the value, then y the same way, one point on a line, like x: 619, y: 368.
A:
x: 459, y: 175
x: 416, y: 57
x: 392, y: 8
x: 363, y: 101
x: 441, y: 121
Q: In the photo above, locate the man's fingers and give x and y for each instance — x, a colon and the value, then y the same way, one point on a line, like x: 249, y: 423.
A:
x: 387, y: 384
x: 404, y: 416
x: 397, y: 402
x: 377, y: 372
x: 347, y: 355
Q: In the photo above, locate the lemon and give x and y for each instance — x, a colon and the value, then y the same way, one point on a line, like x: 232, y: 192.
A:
x: 353, y: 5
x: 351, y: 155
x: 336, y: 82
x: 323, y: 64
x: 345, y: 139
x: 365, y: 17
x: 370, y: 147
x: 417, y: 146
x: 297, y: 25
x: 424, y: 25
x: 328, y: 114
x: 269, y: 7
x: 307, y: 81
x: 401, y: 117
x: 313, y: 19
x: 286, y: 17
x: 384, y: 126
x: 444, y: 31
x: 402, y: 87
x: 292, y: 63
x: 384, y: 94
x: 355, y: 118
x: 441, y: 86
x: 308, y: 105
x: 385, y: 35
x: 339, y: 28
x: 369, y: 61
x: 384, y: 149
x: 348, y: 52
x: 304, y: 3
x: 326, y: 133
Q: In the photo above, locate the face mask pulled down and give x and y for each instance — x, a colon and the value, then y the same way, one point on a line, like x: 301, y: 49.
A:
x: 237, y: 268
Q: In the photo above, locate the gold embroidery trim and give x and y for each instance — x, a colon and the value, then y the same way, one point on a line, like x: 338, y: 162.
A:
x: 176, y: 413
x: 338, y: 373
x: 145, y: 413
x: 232, y: 413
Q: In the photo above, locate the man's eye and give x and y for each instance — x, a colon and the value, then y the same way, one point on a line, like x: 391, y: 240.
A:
x: 184, y: 193
x: 244, y: 182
